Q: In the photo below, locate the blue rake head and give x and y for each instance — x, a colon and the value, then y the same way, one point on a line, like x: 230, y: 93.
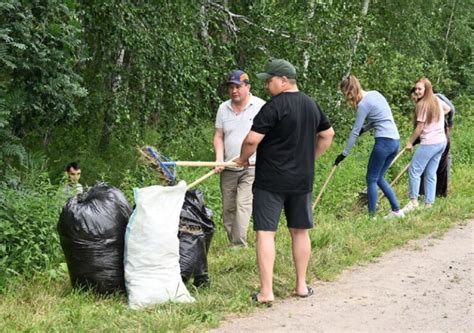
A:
x: 163, y: 164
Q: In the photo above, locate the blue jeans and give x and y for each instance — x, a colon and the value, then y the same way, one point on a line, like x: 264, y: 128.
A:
x: 426, y: 158
x: 382, y: 155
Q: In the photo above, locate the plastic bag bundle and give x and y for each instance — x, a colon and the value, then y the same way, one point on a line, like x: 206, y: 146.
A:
x: 91, y: 229
x: 195, y: 233
x: 152, y: 273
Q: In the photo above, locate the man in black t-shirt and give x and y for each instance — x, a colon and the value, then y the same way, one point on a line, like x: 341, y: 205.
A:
x: 289, y: 133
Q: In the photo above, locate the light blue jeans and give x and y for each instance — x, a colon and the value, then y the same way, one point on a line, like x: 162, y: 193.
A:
x: 425, y: 159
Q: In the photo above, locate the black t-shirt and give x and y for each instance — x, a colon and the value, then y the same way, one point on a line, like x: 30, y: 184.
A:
x: 285, y: 156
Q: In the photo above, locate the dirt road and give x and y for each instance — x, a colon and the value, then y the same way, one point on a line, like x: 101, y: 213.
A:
x: 426, y: 286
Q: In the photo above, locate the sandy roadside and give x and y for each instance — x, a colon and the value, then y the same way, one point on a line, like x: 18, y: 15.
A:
x: 428, y: 285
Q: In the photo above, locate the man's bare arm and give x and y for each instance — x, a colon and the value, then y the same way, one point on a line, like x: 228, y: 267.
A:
x: 323, y: 141
x: 219, y: 147
x: 249, y: 146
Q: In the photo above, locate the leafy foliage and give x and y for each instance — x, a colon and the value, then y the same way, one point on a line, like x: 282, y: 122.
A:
x: 88, y: 81
x: 341, y: 238
x: 29, y: 211
x: 38, y: 53
x: 10, y: 148
x: 143, y: 69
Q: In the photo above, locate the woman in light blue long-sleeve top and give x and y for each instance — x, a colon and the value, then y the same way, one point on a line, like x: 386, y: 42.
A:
x: 372, y: 108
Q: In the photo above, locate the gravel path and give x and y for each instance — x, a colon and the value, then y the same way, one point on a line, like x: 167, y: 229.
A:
x: 425, y: 286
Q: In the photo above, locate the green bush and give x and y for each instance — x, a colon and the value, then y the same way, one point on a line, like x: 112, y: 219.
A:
x: 29, y: 213
x: 462, y: 141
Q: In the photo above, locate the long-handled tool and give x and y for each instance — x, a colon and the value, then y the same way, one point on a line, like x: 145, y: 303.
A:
x: 201, y: 179
x: 363, y: 196
x: 400, y: 174
x: 394, y: 181
x: 167, y: 168
x: 164, y: 161
x: 324, y: 186
x: 207, y: 175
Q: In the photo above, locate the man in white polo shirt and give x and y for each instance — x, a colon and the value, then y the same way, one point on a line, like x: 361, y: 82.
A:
x: 233, y: 122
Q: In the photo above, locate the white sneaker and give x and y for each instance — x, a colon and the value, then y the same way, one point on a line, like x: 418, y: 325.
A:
x: 393, y: 215
x: 409, y: 206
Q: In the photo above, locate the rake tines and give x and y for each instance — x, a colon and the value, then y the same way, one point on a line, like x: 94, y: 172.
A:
x: 160, y: 163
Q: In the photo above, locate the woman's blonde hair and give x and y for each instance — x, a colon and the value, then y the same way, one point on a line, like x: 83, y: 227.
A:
x: 351, y: 88
x: 428, y: 103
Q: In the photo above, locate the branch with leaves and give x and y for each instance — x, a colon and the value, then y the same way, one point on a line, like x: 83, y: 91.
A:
x: 233, y: 28
x: 358, y: 35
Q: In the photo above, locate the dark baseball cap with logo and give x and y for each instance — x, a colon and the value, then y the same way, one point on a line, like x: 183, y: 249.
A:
x: 278, y: 67
x: 238, y: 77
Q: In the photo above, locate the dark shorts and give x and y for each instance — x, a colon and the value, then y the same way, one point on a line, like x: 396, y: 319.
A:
x: 267, y: 208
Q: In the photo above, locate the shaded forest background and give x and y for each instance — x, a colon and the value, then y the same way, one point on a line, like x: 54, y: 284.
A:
x: 91, y: 80
x: 88, y: 81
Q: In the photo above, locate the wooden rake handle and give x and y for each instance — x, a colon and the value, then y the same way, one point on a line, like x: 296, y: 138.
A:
x: 201, y: 179
x: 397, y: 178
x: 400, y: 153
x: 324, y: 186
x: 400, y: 174
x: 201, y: 164
x: 207, y: 175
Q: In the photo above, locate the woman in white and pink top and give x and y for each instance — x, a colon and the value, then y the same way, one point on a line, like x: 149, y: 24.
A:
x: 429, y: 118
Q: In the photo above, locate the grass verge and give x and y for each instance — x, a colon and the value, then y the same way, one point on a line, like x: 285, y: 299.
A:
x: 344, y: 235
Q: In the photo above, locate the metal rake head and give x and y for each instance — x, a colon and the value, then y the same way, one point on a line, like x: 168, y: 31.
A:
x: 165, y: 167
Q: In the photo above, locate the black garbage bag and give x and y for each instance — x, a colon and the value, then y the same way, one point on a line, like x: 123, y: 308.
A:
x: 195, y: 234
x: 91, y: 229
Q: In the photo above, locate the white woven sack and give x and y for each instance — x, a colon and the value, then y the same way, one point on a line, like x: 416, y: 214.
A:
x: 152, y: 273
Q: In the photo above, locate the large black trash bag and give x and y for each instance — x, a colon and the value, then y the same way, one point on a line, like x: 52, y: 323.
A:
x: 91, y: 228
x: 195, y: 233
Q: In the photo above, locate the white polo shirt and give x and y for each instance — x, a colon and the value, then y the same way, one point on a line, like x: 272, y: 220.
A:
x: 237, y: 125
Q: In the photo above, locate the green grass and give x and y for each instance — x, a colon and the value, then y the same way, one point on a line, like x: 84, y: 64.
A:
x: 343, y: 236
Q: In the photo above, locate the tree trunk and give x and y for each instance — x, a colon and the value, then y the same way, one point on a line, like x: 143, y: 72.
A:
x: 309, y: 36
x: 358, y: 35
x: 142, y: 114
x: 445, y: 53
x: 205, y: 31
x: 109, y: 116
